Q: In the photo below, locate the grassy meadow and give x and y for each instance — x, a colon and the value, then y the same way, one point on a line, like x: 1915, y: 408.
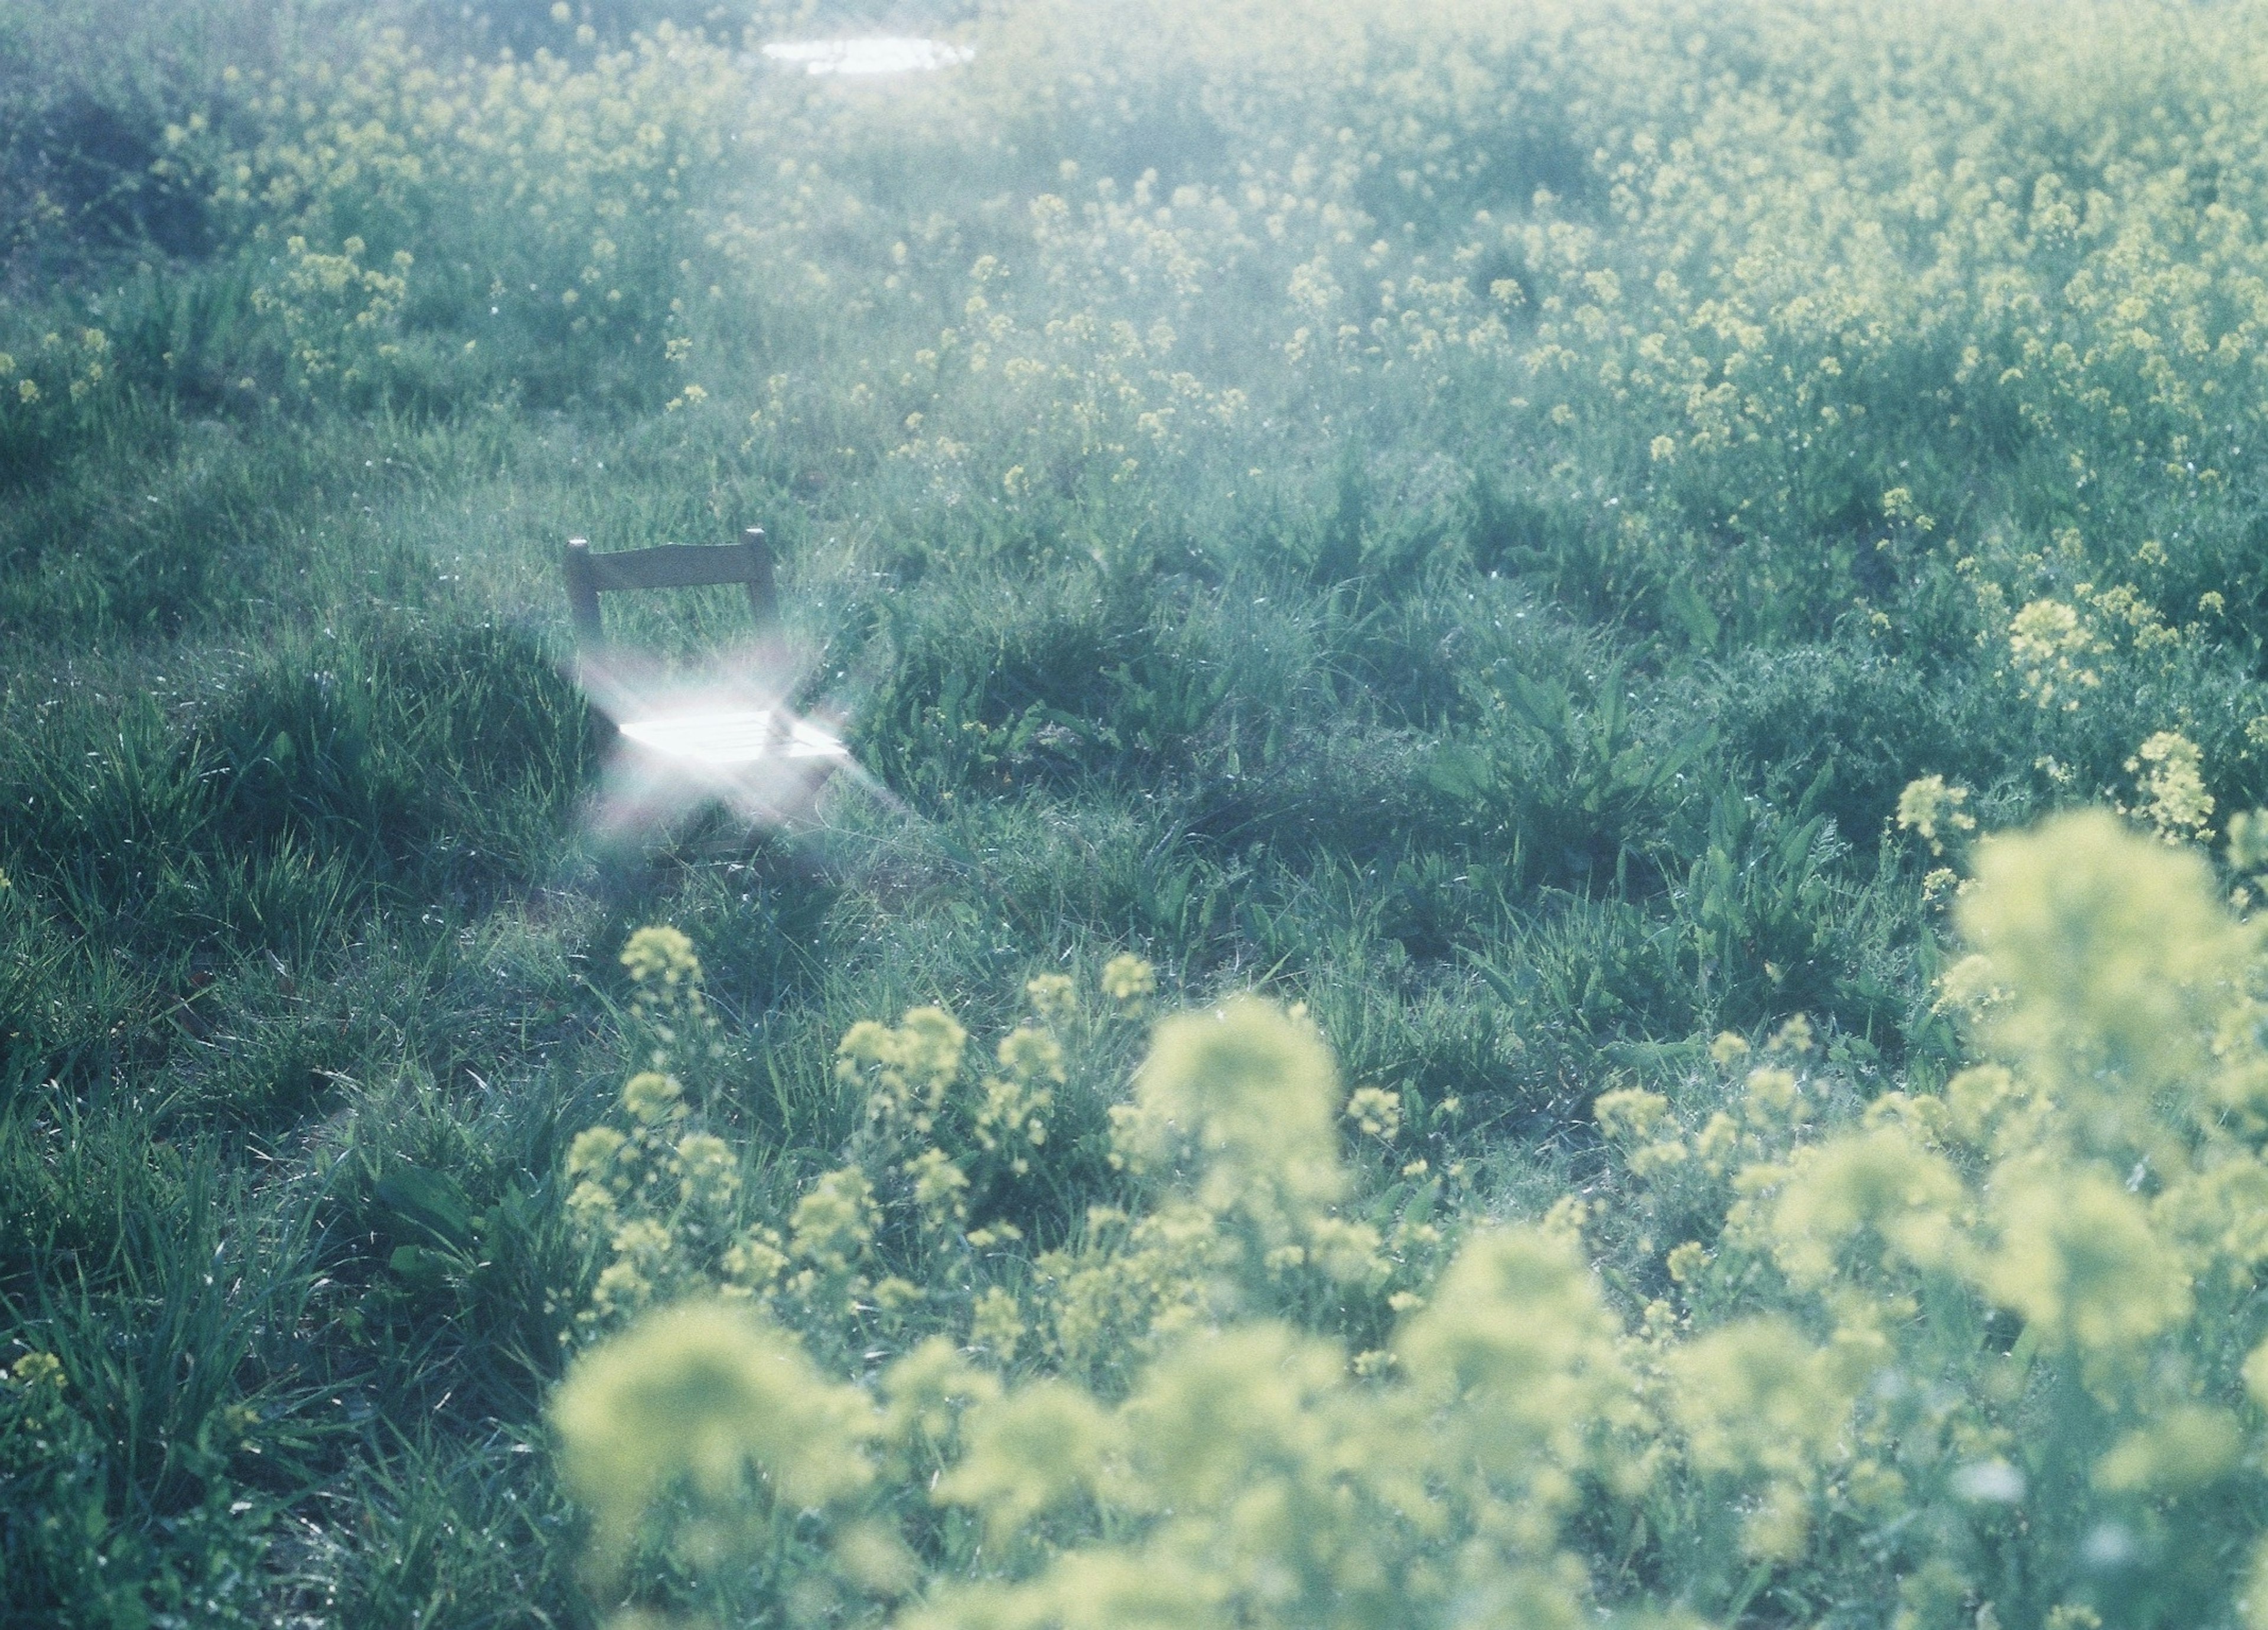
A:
x: 1551, y: 913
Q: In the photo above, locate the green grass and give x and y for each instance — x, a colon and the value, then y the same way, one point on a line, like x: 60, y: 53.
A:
x: 1529, y: 767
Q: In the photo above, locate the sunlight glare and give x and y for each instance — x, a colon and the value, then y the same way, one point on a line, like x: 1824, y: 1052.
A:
x: 872, y: 53
x: 724, y: 737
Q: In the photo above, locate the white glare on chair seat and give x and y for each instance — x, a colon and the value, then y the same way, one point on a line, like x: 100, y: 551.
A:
x: 744, y: 736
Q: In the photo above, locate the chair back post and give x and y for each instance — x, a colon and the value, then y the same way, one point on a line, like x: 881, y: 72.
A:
x: 583, y: 594
x: 763, y: 591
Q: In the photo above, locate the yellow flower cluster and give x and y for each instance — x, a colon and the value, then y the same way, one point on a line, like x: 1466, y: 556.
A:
x: 557, y: 199
x: 658, y: 1199
x: 1592, y: 228
x: 338, y: 315
x: 1964, y: 1342
x: 34, y: 1412
x: 2049, y: 645
x: 54, y: 382
x: 1249, y: 1470
x: 2171, y: 777
x: 2088, y: 1185
x: 666, y: 997
x: 1935, y: 811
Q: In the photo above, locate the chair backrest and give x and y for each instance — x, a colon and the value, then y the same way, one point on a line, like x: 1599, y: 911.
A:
x: 671, y: 565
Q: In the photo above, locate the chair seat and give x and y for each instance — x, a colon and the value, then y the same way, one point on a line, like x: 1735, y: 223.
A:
x: 733, y: 737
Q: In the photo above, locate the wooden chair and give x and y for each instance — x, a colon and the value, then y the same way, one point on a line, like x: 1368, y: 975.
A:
x: 670, y: 565
x: 722, y: 743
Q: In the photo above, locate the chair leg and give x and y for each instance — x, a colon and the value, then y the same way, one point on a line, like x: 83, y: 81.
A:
x: 583, y: 597
x: 763, y: 591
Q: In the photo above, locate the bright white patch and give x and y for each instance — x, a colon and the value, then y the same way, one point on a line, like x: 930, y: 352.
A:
x: 1992, y: 1481
x: 744, y: 736
x: 871, y: 54
x: 723, y: 735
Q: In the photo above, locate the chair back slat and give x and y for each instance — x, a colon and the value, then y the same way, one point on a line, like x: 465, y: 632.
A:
x: 668, y: 565
x: 672, y: 565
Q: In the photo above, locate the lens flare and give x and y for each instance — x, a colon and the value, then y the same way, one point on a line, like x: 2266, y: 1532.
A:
x: 720, y: 736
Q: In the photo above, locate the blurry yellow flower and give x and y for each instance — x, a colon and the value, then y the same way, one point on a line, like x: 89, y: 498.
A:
x: 1054, y: 996
x: 1515, y: 1326
x: 1377, y: 1112
x: 1257, y: 1092
x: 1629, y: 1113
x: 1756, y: 1395
x: 651, y: 1096
x: 2247, y: 840
x: 2079, y: 1259
x: 834, y: 1223
x: 996, y: 1324
x: 2116, y: 960
x: 754, y: 1262
x: 1878, y: 1182
x: 940, y: 1188
x: 1127, y: 979
x: 1929, y: 806
x: 661, y: 955
x: 1771, y: 1093
x: 704, y: 1394
x: 906, y: 1069
x: 593, y: 1152
x: 1030, y: 1055
x: 1026, y: 1452
x: 2186, y: 1448
x: 708, y: 1171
